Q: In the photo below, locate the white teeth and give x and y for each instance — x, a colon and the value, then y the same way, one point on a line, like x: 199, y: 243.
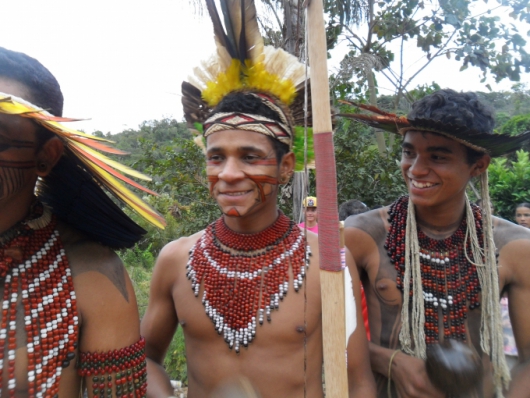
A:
x: 418, y: 184
x: 235, y: 193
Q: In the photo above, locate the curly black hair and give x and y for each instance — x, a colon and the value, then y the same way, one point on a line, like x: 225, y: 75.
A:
x: 240, y: 101
x: 463, y: 109
x: 458, y: 109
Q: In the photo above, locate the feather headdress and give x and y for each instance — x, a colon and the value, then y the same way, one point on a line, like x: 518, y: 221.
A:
x: 83, y: 152
x: 493, y: 144
x: 243, y: 63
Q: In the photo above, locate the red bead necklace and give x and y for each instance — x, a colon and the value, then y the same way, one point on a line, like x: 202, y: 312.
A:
x: 238, y: 269
x: 34, y: 262
x: 450, y: 282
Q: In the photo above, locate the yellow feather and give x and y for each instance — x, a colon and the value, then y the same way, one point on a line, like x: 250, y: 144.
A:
x: 108, y: 161
x: 127, y: 196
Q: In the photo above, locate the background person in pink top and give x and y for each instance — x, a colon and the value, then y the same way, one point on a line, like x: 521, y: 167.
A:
x: 311, y: 214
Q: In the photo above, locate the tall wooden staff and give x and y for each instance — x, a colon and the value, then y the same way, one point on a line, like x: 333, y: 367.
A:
x: 331, y: 270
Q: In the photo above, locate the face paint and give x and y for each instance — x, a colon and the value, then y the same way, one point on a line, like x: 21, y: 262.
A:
x: 260, y: 180
x: 12, y: 172
x: 11, y: 180
x: 6, y: 144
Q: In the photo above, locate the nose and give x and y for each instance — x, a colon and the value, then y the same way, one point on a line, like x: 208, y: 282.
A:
x: 231, y: 171
x: 418, y: 167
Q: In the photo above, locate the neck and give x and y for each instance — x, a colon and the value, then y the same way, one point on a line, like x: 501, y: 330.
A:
x: 253, y: 223
x: 310, y: 224
x: 441, y: 221
x: 13, y: 212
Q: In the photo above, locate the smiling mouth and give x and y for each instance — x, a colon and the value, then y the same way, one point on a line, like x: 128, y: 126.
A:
x: 418, y: 184
x: 239, y: 193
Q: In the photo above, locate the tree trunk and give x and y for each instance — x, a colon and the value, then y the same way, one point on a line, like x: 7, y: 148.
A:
x: 293, y: 31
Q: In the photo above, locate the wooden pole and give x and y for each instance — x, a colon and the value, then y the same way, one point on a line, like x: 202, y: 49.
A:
x: 331, y: 274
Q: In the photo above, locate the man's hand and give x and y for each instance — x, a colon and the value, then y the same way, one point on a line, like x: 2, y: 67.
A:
x: 410, y: 377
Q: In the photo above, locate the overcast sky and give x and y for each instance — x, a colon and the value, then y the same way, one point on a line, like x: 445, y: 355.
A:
x: 122, y: 62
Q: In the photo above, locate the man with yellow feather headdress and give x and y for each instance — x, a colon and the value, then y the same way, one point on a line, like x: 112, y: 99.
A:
x: 69, y: 319
x: 246, y: 290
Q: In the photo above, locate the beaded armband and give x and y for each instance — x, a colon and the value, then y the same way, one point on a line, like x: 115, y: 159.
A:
x: 122, y: 371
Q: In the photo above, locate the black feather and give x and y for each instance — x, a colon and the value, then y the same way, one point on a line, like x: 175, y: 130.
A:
x: 219, y: 30
x: 75, y: 197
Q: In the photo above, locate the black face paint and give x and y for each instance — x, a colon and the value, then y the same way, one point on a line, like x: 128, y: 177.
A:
x: 6, y: 144
x: 11, y: 180
x: 12, y: 171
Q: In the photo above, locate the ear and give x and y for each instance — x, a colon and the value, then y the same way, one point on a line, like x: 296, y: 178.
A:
x: 49, y: 155
x: 287, y: 164
x: 480, y: 165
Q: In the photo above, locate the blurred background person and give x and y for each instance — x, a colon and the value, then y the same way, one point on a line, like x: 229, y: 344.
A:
x: 350, y: 208
x: 522, y: 214
x: 311, y: 214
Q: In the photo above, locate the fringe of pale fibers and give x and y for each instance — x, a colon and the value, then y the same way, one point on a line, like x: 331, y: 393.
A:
x: 484, y: 259
x: 416, y: 345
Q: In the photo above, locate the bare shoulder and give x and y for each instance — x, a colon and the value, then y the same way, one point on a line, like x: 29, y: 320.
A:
x: 374, y: 223
x: 176, y: 253
x: 87, y: 256
x: 506, y: 232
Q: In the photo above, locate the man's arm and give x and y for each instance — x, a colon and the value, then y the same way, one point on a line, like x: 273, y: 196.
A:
x: 516, y: 255
x: 360, y: 378
x: 160, y: 320
x: 362, y: 236
x: 107, y: 308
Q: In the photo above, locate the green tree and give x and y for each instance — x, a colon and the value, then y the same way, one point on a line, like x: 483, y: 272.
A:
x: 444, y: 28
x: 361, y: 172
x: 508, y: 183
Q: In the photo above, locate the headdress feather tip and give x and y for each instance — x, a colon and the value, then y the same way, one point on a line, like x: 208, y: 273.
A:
x: 85, y: 147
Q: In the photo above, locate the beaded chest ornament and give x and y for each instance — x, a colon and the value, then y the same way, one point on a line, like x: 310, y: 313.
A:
x: 33, y: 262
x: 246, y: 276
x: 450, y: 281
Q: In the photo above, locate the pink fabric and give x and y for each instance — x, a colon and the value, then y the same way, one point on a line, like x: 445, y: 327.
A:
x: 312, y: 229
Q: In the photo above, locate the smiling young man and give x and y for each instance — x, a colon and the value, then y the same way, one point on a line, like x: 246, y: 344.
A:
x: 69, y: 308
x: 246, y: 289
x: 429, y: 246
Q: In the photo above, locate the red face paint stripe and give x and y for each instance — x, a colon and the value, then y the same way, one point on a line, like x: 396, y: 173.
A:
x: 233, y: 212
x: 266, y: 162
x: 259, y: 180
x: 212, y: 180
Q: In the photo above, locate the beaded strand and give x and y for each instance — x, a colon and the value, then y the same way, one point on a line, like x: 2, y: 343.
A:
x: 238, y: 269
x: 125, y: 368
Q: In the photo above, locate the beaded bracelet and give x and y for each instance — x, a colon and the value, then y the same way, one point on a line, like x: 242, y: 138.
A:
x: 390, y: 372
x: 123, y: 371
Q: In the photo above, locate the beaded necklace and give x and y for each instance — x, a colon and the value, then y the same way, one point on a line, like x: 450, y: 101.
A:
x: 33, y: 262
x: 450, y: 282
x: 246, y: 276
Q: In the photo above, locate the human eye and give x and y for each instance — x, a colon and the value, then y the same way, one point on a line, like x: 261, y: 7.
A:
x: 438, y: 158
x: 407, y: 153
x: 250, y: 157
x: 214, y: 159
